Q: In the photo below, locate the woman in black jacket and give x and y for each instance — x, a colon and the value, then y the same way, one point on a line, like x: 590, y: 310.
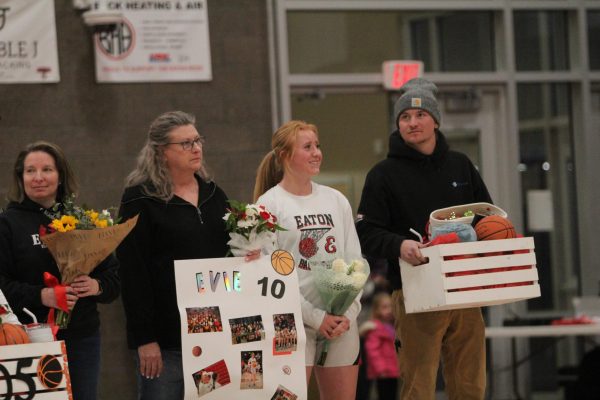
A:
x: 180, y: 217
x: 41, y: 178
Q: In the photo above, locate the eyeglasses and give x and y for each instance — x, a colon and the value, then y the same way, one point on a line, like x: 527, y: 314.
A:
x: 189, y: 144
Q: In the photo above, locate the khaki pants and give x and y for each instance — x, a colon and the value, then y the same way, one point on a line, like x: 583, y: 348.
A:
x: 457, y: 335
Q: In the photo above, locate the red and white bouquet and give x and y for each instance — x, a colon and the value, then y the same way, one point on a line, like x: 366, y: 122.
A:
x: 251, y: 227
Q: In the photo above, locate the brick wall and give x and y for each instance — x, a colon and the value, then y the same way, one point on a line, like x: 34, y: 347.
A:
x: 101, y: 127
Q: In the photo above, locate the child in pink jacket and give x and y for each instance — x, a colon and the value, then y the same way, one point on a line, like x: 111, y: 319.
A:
x: 380, y: 351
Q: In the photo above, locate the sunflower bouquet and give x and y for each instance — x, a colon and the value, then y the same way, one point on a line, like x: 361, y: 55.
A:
x: 250, y: 227
x: 79, y: 239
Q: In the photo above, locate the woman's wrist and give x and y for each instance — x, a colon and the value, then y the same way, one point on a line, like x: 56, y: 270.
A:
x: 100, y: 290
x: 46, y: 296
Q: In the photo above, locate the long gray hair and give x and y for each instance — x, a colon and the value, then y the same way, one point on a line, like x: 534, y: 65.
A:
x: 151, y: 170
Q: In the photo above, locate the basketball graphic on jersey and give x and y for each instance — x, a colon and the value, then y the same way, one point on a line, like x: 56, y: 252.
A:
x: 308, y: 247
x: 309, y: 239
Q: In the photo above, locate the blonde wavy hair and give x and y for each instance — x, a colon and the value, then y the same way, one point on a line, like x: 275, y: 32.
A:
x: 151, y: 170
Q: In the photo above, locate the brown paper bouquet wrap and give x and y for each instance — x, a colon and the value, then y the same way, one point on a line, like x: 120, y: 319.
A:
x: 77, y: 252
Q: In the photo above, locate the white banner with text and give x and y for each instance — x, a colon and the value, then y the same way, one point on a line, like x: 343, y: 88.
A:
x: 28, y: 52
x: 157, y: 41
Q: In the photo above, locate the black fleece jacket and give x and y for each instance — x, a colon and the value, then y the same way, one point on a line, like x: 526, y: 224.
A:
x: 23, y: 261
x: 165, y: 231
x: 401, y: 191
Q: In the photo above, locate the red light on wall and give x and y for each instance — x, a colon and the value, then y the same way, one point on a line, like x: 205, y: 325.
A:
x: 397, y: 72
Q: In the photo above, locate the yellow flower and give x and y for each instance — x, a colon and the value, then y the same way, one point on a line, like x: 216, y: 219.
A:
x: 57, y: 225
x: 101, y: 223
x: 69, y: 222
x: 92, y: 214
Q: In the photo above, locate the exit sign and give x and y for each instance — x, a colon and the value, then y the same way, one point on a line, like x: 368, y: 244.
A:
x: 397, y: 72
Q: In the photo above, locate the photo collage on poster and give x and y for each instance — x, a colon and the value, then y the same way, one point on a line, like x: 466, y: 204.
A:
x: 250, y: 340
x: 286, y: 337
x: 283, y: 393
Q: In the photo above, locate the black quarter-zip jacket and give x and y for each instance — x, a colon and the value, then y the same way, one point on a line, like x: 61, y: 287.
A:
x: 401, y: 191
x: 165, y: 231
x: 23, y: 261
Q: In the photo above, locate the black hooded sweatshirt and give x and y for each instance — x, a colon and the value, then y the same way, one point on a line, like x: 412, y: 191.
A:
x: 401, y: 191
x: 23, y: 261
x: 165, y: 231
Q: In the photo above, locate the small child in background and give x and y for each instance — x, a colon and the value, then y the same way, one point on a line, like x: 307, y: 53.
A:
x: 380, y: 351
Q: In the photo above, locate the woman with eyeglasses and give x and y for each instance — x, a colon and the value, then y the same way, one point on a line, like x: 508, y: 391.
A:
x: 180, y: 217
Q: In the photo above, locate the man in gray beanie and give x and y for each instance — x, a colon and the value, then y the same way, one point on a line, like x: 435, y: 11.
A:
x: 418, y: 93
x: 421, y: 174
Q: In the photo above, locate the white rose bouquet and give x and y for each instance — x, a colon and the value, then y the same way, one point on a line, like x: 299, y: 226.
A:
x: 338, y: 284
x: 250, y: 226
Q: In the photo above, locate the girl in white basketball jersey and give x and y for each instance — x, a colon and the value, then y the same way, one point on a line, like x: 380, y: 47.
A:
x: 319, y: 226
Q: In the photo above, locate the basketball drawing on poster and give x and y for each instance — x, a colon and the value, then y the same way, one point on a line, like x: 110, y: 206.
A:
x: 35, y: 371
x: 242, y: 332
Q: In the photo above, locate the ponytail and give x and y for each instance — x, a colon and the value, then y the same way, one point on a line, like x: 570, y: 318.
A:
x: 270, y: 170
x: 268, y: 174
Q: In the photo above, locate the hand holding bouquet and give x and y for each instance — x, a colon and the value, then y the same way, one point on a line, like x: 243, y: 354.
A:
x: 251, y: 227
x: 338, y: 284
x: 79, y: 239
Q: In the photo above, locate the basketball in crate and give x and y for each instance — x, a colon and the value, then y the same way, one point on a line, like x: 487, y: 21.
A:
x: 465, y: 213
x: 494, y: 227
x: 487, y: 272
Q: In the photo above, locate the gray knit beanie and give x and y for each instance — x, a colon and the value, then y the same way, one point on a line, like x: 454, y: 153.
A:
x: 418, y: 93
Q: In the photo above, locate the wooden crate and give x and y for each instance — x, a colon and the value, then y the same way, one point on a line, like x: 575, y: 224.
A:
x: 473, y: 274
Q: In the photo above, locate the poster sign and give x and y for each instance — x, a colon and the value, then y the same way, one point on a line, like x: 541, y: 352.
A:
x: 157, y: 41
x: 28, y: 52
x: 35, y: 371
x: 241, y: 328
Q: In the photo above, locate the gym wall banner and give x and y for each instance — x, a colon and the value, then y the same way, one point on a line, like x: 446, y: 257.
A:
x: 28, y: 52
x: 242, y: 335
x: 157, y: 41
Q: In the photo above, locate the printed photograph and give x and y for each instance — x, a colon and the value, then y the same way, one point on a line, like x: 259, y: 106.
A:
x: 204, y: 319
x: 211, y: 378
x: 286, y: 336
x: 247, y: 329
x: 282, y: 393
x: 252, y: 372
